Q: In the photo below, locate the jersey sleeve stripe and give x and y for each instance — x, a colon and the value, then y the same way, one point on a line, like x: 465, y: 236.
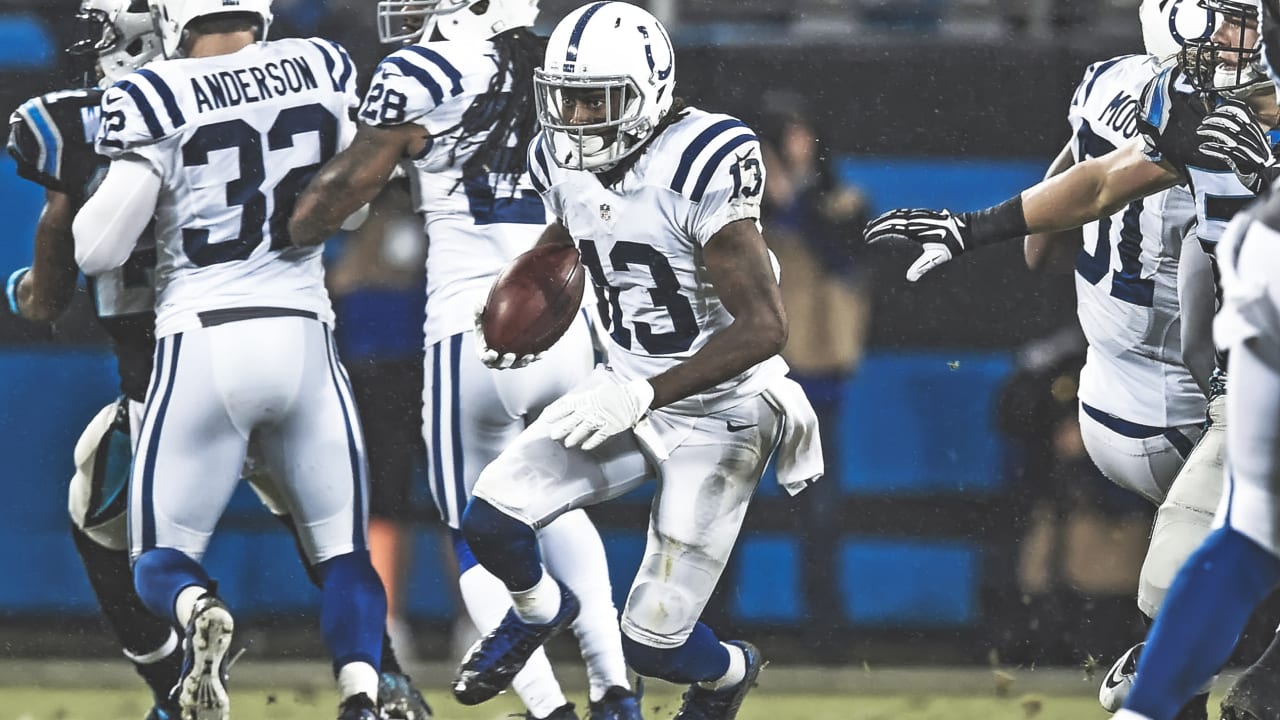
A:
x: 348, y: 67
x: 329, y: 63
x: 696, y: 147
x: 144, y: 107
x: 50, y: 140
x: 540, y: 173
x: 43, y: 135
x: 166, y: 96
x: 700, y: 188
x: 417, y: 73
x: 571, y: 53
x: 451, y: 72
x: 1101, y: 68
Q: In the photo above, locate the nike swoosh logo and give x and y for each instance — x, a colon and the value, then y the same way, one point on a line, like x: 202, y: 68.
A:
x: 737, y: 428
x: 1119, y: 673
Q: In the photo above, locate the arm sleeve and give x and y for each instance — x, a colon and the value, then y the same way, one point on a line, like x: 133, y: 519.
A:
x: 108, y: 226
x: 728, y: 189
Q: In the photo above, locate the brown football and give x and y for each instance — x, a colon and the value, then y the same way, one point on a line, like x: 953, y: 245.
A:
x: 534, y: 300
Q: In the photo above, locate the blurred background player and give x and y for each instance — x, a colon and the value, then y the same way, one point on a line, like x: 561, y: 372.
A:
x: 51, y: 139
x: 458, y: 101
x: 377, y: 287
x: 243, y: 340
x: 809, y: 216
x: 662, y: 201
x: 1220, y: 71
x: 1239, y: 563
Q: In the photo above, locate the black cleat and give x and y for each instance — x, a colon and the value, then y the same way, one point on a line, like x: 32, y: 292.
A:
x: 496, y: 658
x: 702, y: 704
x: 201, y: 691
x: 358, y: 707
x: 618, y: 703
x: 398, y: 699
x: 1255, y: 696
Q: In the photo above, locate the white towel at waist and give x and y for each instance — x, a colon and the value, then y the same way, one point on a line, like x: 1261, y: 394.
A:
x: 798, y: 457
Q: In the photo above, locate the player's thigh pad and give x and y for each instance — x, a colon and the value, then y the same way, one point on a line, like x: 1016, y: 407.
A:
x: 705, y: 486
x: 1146, y: 466
x: 97, y: 497
x: 537, y: 479
x: 315, y: 453
x: 1185, y: 516
x: 472, y: 413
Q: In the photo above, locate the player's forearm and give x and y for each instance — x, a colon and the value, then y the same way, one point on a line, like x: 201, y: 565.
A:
x: 727, y: 354
x: 1053, y: 252
x: 341, y: 188
x: 45, y: 291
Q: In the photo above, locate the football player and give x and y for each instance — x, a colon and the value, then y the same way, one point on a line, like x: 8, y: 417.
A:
x: 51, y: 140
x: 1199, y: 121
x: 1239, y: 563
x: 215, y: 146
x: 458, y: 100
x: 662, y: 201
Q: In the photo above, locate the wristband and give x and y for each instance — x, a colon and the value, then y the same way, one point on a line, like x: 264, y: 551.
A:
x: 11, y: 288
x: 997, y: 224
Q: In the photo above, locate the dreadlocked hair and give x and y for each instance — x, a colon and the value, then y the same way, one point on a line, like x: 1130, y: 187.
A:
x: 504, y: 114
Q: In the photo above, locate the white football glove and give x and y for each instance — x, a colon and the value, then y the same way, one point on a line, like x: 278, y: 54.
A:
x: 1231, y: 134
x: 493, y: 359
x: 588, y: 418
x: 940, y: 234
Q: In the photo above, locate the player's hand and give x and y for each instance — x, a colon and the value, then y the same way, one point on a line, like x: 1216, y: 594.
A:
x: 940, y: 234
x: 493, y: 359
x: 1231, y: 134
x: 588, y: 418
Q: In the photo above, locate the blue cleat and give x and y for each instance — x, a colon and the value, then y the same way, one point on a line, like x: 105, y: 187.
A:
x: 618, y: 703
x: 201, y: 692
x: 398, y: 699
x: 493, y: 661
x: 702, y: 704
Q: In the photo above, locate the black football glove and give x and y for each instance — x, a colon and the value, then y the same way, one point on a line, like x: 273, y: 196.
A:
x: 940, y: 234
x: 1231, y: 134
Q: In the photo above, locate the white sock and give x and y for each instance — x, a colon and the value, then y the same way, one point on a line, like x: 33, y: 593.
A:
x: 487, y: 601
x: 185, y: 605
x: 357, y: 677
x: 1129, y: 715
x: 574, y: 553
x: 150, y: 658
x: 736, y: 673
x: 539, y: 604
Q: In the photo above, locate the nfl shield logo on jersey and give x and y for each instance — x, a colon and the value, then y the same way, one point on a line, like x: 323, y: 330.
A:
x: 606, y: 212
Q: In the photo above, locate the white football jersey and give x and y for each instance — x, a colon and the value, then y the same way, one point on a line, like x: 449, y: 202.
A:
x: 1127, y: 270
x: 642, y: 240
x: 235, y: 139
x: 477, y: 219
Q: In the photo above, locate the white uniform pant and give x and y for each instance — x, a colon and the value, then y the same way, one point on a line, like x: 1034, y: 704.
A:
x: 711, y: 467
x: 471, y: 413
x: 1140, y: 459
x: 277, y: 378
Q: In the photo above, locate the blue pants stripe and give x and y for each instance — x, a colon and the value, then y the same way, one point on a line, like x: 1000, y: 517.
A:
x: 153, y: 445
x: 434, y: 449
x: 455, y: 380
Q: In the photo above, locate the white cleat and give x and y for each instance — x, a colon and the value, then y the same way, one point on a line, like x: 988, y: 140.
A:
x: 1119, y: 680
x: 202, y: 688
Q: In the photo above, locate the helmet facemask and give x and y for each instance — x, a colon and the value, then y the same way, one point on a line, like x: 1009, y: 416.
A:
x: 1204, y: 63
x: 114, y: 39
x: 607, y: 136
x: 406, y: 21
x: 409, y: 21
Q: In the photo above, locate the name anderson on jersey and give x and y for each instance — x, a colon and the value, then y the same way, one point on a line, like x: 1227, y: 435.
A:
x: 229, y: 88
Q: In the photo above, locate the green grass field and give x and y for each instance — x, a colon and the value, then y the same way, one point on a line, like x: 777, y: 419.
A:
x: 83, y: 704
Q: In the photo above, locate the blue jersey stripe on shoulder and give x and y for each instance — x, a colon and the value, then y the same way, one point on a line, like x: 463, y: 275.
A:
x: 348, y: 67
x: 1159, y: 93
x: 700, y: 188
x: 422, y: 76
x: 540, y: 159
x: 451, y: 72
x: 571, y: 53
x: 166, y: 95
x: 329, y: 64
x: 697, y: 146
x: 50, y: 148
x: 1102, y: 68
x: 144, y: 107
